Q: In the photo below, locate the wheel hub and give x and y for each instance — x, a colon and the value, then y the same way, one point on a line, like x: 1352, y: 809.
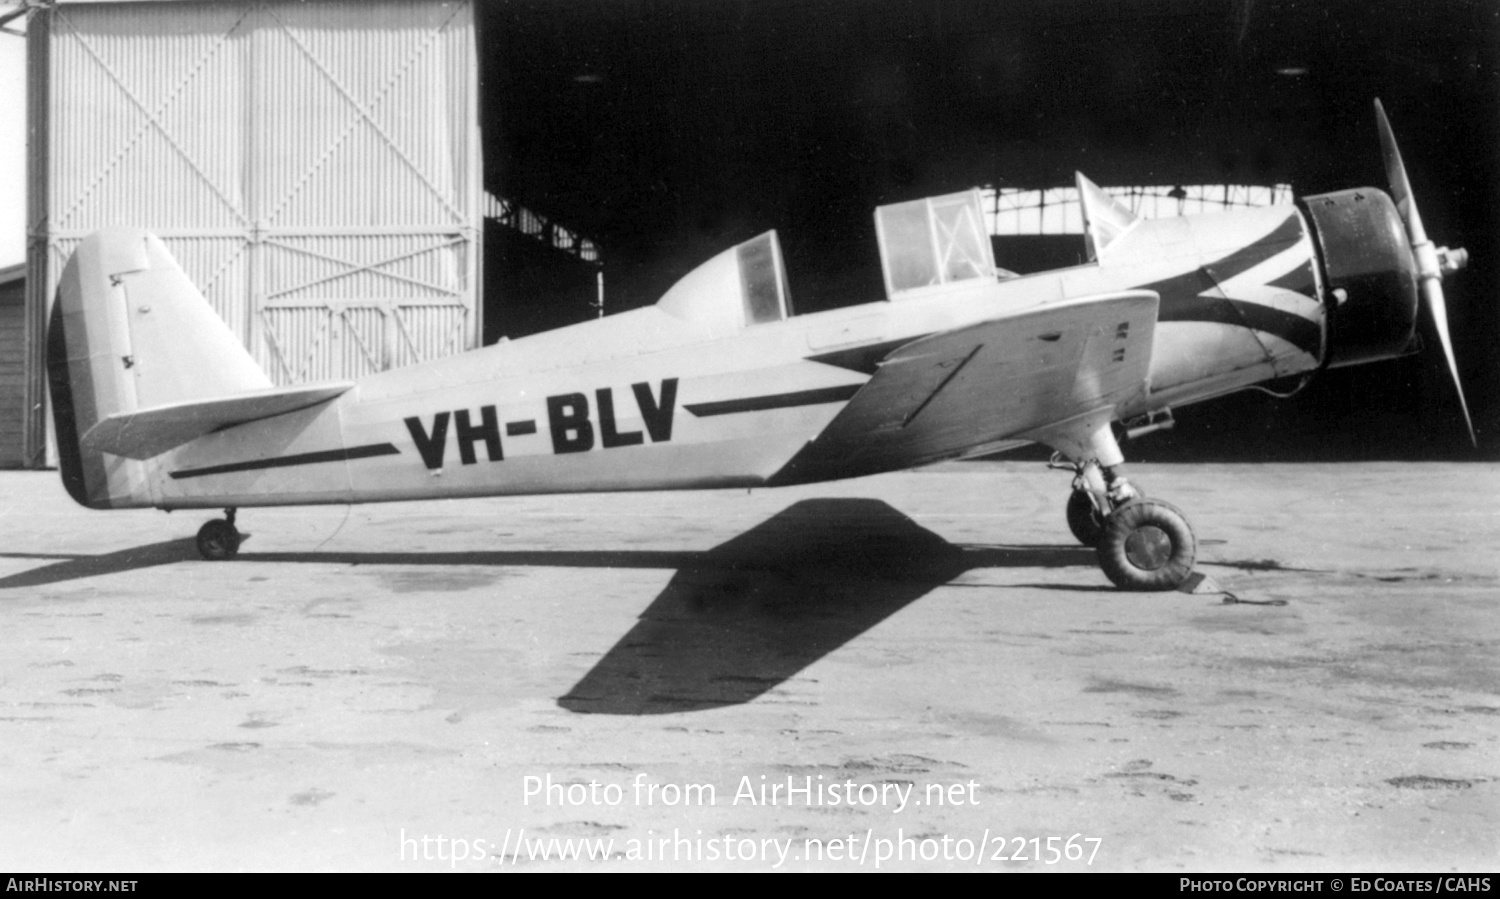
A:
x: 1148, y: 548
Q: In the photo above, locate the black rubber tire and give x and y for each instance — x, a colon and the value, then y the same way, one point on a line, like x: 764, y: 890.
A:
x: 1147, y: 546
x: 218, y: 541
x: 1083, y: 519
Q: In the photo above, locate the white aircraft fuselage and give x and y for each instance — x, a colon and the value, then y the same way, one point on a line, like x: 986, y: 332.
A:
x: 645, y: 400
x: 718, y: 384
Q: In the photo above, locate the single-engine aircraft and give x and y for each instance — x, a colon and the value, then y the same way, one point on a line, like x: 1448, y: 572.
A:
x: 720, y: 385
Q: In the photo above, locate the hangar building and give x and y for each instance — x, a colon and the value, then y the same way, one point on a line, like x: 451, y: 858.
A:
x: 314, y: 167
x: 12, y: 364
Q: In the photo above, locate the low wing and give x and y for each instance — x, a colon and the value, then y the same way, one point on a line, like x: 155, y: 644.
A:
x: 150, y: 432
x: 970, y: 388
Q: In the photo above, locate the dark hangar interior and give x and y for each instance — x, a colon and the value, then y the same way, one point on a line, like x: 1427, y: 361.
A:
x: 668, y: 130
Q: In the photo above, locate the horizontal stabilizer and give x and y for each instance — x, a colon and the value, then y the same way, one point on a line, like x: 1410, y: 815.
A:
x: 151, y: 432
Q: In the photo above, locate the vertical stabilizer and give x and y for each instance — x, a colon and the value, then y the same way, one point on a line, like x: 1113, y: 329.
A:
x: 183, y: 350
x: 128, y: 331
x: 1104, y: 217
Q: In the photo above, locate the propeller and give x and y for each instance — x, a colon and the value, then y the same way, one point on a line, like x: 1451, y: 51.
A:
x: 1432, y: 262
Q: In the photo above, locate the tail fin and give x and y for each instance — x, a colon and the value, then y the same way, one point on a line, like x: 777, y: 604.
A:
x: 129, y: 331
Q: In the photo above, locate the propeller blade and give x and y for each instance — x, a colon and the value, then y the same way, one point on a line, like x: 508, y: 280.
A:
x: 1430, y: 266
x: 1395, y: 175
x: 1432, y: 292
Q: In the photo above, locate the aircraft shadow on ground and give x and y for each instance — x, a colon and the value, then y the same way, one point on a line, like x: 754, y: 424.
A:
x: 749, y: 614
x: 734, y: 622
x: 75, y: 567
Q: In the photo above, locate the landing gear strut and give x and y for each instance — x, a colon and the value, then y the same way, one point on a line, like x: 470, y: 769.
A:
x: 218, y: 540
x: 1097, y: 493
x: 1142, y: 544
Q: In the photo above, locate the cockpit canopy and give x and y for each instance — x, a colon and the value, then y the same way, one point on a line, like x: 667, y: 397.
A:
x: 744, y: 285
x: 924, y: 244
x: 932, y: 242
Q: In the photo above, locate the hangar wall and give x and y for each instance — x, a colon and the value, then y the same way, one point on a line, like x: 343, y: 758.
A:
x: 314, y: 166
x: 12, y: 368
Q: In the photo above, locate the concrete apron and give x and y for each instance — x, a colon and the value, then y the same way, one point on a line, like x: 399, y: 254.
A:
x: 681, y: 681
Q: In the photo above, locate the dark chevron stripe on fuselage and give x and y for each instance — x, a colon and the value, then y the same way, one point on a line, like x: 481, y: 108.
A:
x: 337, y: 455
x: 1187, y: 297
x: 1298, y: 280
x: 863, y: 359
x: 775, y: 401
x: 1184, y: 298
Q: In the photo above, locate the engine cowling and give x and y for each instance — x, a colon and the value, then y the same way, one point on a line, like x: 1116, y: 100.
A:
x: 1369, y: 275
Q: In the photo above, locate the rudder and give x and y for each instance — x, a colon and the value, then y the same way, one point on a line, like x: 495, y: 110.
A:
x: 129, y: 330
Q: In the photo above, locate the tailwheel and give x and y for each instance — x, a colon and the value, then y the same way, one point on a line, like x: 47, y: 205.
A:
x: 1147, y: 545
x: 219, y: 540
x: 1084, y: 519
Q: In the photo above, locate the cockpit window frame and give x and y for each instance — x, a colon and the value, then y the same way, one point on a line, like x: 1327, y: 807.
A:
x: 932, y: 242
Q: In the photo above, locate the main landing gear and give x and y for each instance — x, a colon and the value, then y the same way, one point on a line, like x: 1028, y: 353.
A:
x: 1142, y: 544
x: 218, y: 540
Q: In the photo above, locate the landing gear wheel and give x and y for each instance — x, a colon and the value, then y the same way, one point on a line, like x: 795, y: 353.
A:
x: 1147, y: 545
x: 1083, y: 519
x: 218, y: 541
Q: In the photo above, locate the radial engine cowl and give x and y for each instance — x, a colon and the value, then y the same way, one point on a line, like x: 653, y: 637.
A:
x: 1370, y: 276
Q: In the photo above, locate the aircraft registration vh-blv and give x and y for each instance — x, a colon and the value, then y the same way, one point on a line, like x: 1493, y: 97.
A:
x: 718, y: 384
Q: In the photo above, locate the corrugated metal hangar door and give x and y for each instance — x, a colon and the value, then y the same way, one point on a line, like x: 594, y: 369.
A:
x: 314, y: 166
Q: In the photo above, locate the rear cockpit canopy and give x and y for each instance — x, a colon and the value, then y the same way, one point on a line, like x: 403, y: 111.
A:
x: 742, y: 286
x: 933, y: 242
